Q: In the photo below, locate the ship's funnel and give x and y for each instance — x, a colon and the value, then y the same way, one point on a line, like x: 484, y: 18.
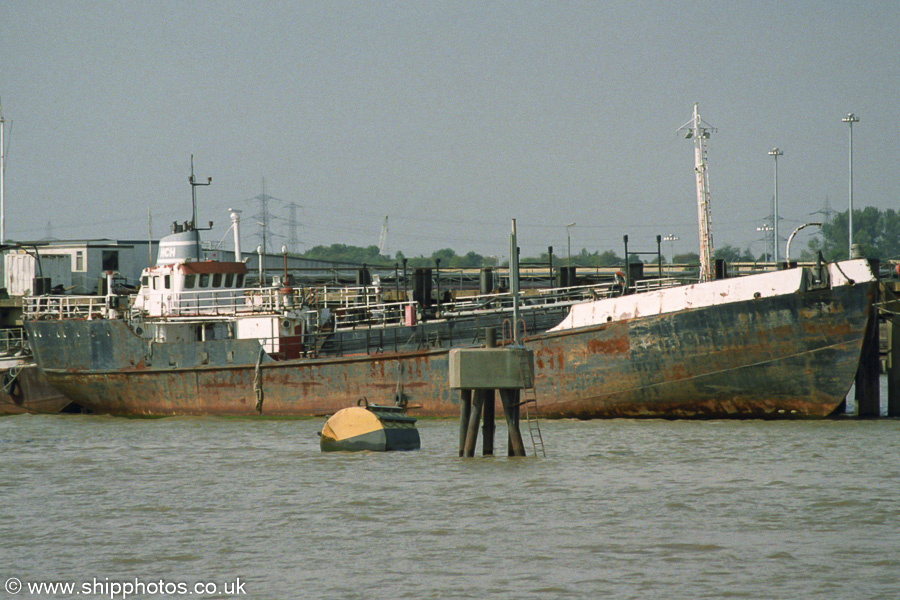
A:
x: 180, y: 247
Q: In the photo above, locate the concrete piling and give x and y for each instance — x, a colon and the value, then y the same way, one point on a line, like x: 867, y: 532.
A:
x: 478, y: 373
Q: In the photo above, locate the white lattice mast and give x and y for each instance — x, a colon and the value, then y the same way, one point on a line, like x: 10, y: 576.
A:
x: 293, y: 240
x: 383, y: 240
x: 262, y: 216
x: 699, y: 130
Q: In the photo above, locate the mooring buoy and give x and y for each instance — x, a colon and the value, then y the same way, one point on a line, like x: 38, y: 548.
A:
x: 369, y: 427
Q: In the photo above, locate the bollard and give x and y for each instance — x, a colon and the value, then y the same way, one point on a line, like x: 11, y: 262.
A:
x: 490, y: 337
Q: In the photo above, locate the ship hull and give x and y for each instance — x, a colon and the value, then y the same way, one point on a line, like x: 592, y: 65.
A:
x: 783, y: 355
x: 25, y: 389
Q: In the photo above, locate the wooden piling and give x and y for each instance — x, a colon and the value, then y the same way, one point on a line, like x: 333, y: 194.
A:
x: 488, y: 426
x: 510, y: 399
x: 893, y: 366
x: 465, y: 411
x: 868, y: 396
x: 474, y: 421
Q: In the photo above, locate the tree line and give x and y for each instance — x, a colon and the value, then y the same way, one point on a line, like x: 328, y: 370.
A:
x: 877, y: 233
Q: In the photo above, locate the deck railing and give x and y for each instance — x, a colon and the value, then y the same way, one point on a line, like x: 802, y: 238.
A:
x: 11, y: 340
x: 349, y: 306
x: 65, y: 307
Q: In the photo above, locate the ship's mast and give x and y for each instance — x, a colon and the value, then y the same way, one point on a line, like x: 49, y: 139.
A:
x: 2, y: 176
x: 194, y: 186
x: 699, y: 130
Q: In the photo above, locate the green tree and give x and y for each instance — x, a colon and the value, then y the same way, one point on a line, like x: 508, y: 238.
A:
x: 351, y: 254
x: 688, y: 258
x: 875, y: 231
x: 447, y: 257
x: 731, y: 254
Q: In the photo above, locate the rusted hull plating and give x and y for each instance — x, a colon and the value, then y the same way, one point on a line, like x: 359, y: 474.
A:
x: 30, y: 392
x: 792, y: 355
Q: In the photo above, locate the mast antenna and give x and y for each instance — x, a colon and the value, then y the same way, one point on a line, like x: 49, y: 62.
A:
x: 194, y: 186
x: 699, y: 130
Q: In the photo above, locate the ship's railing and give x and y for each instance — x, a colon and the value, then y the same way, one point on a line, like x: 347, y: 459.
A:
x: 11, y: 340
x: 375, y: 314
x: 213, y: 303
x: 647, y: 285
x: 349, y: 306
x: 365, y: 310
x: 65, y: 307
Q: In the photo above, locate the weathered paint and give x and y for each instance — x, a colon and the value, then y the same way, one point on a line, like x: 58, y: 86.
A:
x: 358, y: 428
x: 784, y: 355
x: 31, y: 393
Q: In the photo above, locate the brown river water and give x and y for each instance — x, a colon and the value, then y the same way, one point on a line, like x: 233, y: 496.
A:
x: 246, y: 508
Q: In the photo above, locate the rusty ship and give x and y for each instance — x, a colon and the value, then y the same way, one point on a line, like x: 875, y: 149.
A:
x: 23, y: 388
x: 199, y: 339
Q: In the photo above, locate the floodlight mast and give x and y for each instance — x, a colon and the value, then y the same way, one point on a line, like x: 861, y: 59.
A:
x: 699, y: 130
x: 850, y: 119
x: 775, y: 153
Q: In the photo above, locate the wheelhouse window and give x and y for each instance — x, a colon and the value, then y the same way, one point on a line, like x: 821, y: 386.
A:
x: 217, y: 280
x: 229, y: 280
x: 190, y: 281
x: 204, y: 280
x: 239, y: 280
x: 167, y: 282
x: 145, y: 281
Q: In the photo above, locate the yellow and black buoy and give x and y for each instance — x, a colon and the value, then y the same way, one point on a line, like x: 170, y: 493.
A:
x: 369, y: 427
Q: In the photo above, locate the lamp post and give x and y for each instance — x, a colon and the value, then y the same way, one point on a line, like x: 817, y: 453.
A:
x: 671, y: 238
x: 765, y: 228
x: 775, y: 153
x: 850, y: 119
x: 569, y: 242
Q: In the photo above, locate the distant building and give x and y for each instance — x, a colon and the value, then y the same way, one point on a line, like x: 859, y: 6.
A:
x: 87, y: 261
x: 77, y: 266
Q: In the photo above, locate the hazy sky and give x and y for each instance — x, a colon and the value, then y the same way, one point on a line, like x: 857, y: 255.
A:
x: 451, y: 118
